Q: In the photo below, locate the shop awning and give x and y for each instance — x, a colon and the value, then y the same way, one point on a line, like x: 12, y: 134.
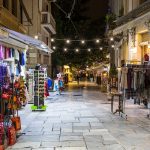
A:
x: 14, y: 36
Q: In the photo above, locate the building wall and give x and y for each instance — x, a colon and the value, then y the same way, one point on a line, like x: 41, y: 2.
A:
x: 10, y: 12
x: 127, y: 6
x: 135, y: 45
x: 35, y: 9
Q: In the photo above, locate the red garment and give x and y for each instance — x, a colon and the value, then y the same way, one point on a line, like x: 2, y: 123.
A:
x: 146, y: 57
x: 46, y: 93
x: 7, y: 52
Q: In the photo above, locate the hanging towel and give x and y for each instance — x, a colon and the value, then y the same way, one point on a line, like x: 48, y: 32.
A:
x: 1, y: 53
x: 16, y: 54
x: 22, y: 63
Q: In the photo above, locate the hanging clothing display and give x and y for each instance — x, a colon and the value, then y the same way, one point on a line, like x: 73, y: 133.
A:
x: 13, y: 95
x: 124, y: 78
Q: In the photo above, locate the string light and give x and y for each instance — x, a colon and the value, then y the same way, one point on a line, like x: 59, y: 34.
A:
x: 68, y: 41
x: 65, y: 49
x: 89, y: 49
x: 77, y: 50
x: 101, y: 48
x: 112, y: 46
x: 97, y: 41
x: 54, y: 47
x: 83, y: 42
x: 52, y: 40
x: 111, y: 38
x: 36, y: 36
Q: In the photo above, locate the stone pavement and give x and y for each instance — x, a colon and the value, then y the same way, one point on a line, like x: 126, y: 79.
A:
x: 80, y: 119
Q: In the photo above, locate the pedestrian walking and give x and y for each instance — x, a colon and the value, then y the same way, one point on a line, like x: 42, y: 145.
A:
x: 78, y: 78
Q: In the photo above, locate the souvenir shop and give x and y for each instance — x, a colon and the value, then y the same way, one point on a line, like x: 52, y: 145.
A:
x: 135, y: 84
x: 13, y: 86
x: 12, y: 91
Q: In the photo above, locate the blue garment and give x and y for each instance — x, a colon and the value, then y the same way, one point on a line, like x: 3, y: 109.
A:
x: 22, y: 59
x: 60, y: 83
x: 49, y: 83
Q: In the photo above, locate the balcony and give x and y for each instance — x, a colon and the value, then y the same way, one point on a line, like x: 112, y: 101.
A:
x: 10, y: 21
x: 142, y: 9
x: 48, y: 22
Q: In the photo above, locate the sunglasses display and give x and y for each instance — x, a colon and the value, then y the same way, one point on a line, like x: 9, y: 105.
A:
x: 39, y: 89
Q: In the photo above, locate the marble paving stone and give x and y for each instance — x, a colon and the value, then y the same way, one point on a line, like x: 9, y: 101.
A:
x: 81, y: 124
x: 69, y: 129
x: 115, y: 147
x: 93, y: 138
x: 84, y: 131
x: 92, y: 119
x: 70, y: 148
x: 46, y: 138
x: 81, y: 127
x: 71, y: 138
x: 51, y: 133
x: 96, y: 132
x: 33, y: 129
x: 18, y: 148
x: 50, y: 144
x: 29, y: 138
x: 34, y: 133
x: 71, y: 134
x: 26, y: 145
x: 73, y: 144
x: 10, y: 148
x: 43, y: 149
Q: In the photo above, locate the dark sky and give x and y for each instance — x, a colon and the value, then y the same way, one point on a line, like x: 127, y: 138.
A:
x: 97, y: 8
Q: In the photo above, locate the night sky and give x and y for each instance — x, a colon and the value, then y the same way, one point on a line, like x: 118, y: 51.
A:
x: 97, y: 9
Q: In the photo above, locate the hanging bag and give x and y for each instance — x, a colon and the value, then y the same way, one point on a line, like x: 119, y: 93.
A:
x: 11, y: 135
x: 16, y: 122
x: 5, y: 96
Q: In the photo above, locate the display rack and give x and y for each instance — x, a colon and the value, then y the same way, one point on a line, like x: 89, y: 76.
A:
x: 39, y: 77
x: 31, y: 88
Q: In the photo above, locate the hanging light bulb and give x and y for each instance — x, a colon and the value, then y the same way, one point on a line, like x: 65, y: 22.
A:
x: 111, y: 39
x: 112, y: 46
x: 36, y: 36
x: 54, y: 47
x: 89, y: 49
x: 77, y: 50
x: 97, y: 41
x: 52, y: 40
x: 101, y: 48
x: 83, y: 42
x: 65, y: 49
x: 68, y: 41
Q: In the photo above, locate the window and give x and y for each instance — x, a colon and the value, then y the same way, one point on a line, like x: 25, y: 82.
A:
x: 142, y: 1
x: 14, y: 7
x: 21, y: 14
x: 6, y: 3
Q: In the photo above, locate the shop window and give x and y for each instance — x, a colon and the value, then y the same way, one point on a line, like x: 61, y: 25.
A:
x: 14, y: 7
x: 6, y: 3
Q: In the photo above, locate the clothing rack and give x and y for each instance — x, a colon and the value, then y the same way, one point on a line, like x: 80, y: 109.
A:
x: 139, y: 90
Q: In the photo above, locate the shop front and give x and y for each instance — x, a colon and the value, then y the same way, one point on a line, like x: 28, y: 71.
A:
x: 134, y: 65
x: 13, y: 86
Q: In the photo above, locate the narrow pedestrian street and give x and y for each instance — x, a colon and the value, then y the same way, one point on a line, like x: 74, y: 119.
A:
x: 80, y: 119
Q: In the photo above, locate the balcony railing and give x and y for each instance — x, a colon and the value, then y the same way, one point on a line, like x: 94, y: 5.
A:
x: 142, y: 9
x: 48, y: 22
